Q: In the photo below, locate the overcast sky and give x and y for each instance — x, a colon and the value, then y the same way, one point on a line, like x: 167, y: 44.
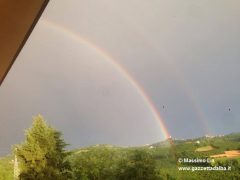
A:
x: 185, y: 54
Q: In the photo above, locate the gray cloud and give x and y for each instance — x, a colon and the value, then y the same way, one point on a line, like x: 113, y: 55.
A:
x: 185, y: 55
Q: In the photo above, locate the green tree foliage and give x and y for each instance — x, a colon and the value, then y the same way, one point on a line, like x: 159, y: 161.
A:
x: 42, y: 155
x: 6, y: 168
x: 139, y: 165
x: 97, y: 163
x: 109, y: 163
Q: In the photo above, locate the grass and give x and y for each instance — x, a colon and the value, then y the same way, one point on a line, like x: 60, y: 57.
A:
x: 205, y: 148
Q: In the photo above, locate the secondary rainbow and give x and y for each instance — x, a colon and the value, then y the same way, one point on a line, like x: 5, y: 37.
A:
x: 181, y: 79
x: 78, y: 38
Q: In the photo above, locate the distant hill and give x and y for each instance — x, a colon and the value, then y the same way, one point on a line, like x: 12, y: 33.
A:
x: 205, y: 140
x: 166, y: 154
x: 224, y: 149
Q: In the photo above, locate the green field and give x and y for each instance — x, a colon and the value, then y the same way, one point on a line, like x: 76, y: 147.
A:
x: 204, y: 148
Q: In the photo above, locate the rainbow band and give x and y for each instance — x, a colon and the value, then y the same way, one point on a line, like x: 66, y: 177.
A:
x: 76, y: 37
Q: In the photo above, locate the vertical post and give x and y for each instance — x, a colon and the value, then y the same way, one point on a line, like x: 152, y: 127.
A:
x: 16, y: 169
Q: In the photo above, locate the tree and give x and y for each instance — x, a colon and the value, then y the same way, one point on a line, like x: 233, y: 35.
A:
x: 95, y: 163
x: 139, y: 165
x: 42, y: 155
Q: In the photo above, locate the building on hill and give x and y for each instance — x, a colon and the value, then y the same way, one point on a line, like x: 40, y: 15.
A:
x: 197, y: 142
x: 209, y: 136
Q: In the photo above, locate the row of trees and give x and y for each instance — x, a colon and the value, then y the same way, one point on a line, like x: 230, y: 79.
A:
x: 42, y: 156
x: 104, y: 163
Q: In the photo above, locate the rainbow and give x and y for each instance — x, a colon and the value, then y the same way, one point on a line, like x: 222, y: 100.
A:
x: 79, y: 39
x: 198, y: 110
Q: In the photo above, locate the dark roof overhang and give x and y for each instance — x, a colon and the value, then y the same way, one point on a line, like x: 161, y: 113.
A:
x: 17, y: 20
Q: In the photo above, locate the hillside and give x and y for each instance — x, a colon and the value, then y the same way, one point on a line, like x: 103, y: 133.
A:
x: 106, y: 161
x: 167, y: 153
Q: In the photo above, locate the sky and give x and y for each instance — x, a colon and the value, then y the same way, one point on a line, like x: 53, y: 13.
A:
x: 100, y: 71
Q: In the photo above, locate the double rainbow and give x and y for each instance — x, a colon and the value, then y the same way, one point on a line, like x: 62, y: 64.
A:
x: 69, y: 33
